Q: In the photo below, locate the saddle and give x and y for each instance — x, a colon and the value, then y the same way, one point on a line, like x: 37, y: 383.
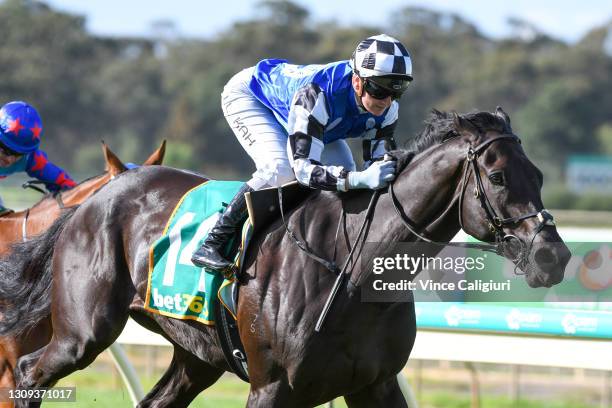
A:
x: 263, y: 207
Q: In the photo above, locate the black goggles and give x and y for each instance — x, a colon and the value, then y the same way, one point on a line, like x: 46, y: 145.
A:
x: 9, y: 152
x: 382, y: 88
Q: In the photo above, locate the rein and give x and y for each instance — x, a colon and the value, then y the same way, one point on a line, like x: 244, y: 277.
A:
x: 496, y: 224
x: 331, y: 265
x: 33, y: 184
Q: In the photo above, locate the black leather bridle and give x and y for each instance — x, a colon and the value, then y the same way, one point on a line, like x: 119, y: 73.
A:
x: 496, y: 224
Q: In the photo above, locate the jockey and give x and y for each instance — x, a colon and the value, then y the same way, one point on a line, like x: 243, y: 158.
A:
x: 20, y: 130
x: 292, y: 121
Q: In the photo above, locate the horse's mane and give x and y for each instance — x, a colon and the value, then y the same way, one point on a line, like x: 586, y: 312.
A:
x: 439, y: 127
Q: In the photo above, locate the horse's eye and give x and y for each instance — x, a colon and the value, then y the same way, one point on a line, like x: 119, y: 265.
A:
x: 497, y: 178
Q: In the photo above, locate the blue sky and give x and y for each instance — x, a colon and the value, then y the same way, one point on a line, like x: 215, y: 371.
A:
x: 564, y: 19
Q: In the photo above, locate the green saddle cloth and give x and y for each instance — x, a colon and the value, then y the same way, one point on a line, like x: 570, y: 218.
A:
x: 176, y: 287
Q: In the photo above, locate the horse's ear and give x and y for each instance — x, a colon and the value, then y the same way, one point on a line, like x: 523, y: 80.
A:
x: 462, y: 125
x: 114, y: 166
x: 158, y: 156
x: 503, y: 115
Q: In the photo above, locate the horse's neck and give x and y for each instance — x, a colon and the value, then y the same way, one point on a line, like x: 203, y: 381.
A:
x: 42, y: 214
x: 426, y: 191
x: 10, y: 230
x: 82, y: 191
x: 71, y: 197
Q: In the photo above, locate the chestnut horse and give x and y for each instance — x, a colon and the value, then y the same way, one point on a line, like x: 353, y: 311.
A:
x: 19, y: 225
x: 22, y: 225
x: 98, y: 258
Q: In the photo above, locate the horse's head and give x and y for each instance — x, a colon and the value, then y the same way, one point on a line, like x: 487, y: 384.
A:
x: 500, y: 201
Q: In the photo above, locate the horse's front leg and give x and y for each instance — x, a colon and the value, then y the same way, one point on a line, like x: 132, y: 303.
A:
x: 24, y: 376
x: 385, y: 394
x: 277, y: 394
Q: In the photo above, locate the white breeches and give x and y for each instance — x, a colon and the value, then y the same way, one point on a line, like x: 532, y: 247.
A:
x: 264, y: 138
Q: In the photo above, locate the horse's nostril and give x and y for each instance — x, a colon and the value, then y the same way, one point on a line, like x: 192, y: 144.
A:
x: 544, y: 256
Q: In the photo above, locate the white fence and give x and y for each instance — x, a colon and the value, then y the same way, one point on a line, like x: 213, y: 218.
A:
x: 135, y: 334
x: 438, y: 345
x: 456, y: 345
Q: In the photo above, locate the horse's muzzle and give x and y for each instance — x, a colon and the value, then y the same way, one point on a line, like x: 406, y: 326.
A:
x: 547, y: 262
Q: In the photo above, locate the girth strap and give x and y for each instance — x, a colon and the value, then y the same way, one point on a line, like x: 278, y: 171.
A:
x: 230, y: 341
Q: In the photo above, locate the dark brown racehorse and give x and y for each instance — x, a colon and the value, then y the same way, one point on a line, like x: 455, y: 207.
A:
x: 101, y: 254
x: 23, y: 225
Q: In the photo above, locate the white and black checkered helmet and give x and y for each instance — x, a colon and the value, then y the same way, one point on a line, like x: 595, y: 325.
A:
x: 382, y: 56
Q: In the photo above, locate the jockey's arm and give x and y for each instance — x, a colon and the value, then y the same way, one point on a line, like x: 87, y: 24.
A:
x: 54, y: 177
x: 307, y: 119
x: 383, y: 141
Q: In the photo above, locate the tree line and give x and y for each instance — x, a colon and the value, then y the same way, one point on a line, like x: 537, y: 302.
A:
x: 133, y: 92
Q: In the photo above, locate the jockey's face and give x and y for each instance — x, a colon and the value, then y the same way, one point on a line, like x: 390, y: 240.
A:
x: 373, y: 105
x: 7, y: 157
x: 6, y: 161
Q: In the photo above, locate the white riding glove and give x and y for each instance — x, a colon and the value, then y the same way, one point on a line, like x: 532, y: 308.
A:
x: 378, y: 175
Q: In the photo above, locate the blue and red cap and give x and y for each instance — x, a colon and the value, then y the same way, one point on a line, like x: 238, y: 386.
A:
x: 20, y: 127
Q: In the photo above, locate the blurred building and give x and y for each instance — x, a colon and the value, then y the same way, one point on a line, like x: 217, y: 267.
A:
x: 589, y: 173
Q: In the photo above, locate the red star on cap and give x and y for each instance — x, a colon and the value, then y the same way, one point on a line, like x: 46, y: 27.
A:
x: 15, y: 127
x: 36, y: 131
x: 40, y: 161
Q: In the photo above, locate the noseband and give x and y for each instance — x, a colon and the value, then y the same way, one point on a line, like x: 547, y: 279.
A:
x: 496, y: 224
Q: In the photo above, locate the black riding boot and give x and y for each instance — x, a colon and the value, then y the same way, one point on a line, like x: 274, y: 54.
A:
x: 208, y: 255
